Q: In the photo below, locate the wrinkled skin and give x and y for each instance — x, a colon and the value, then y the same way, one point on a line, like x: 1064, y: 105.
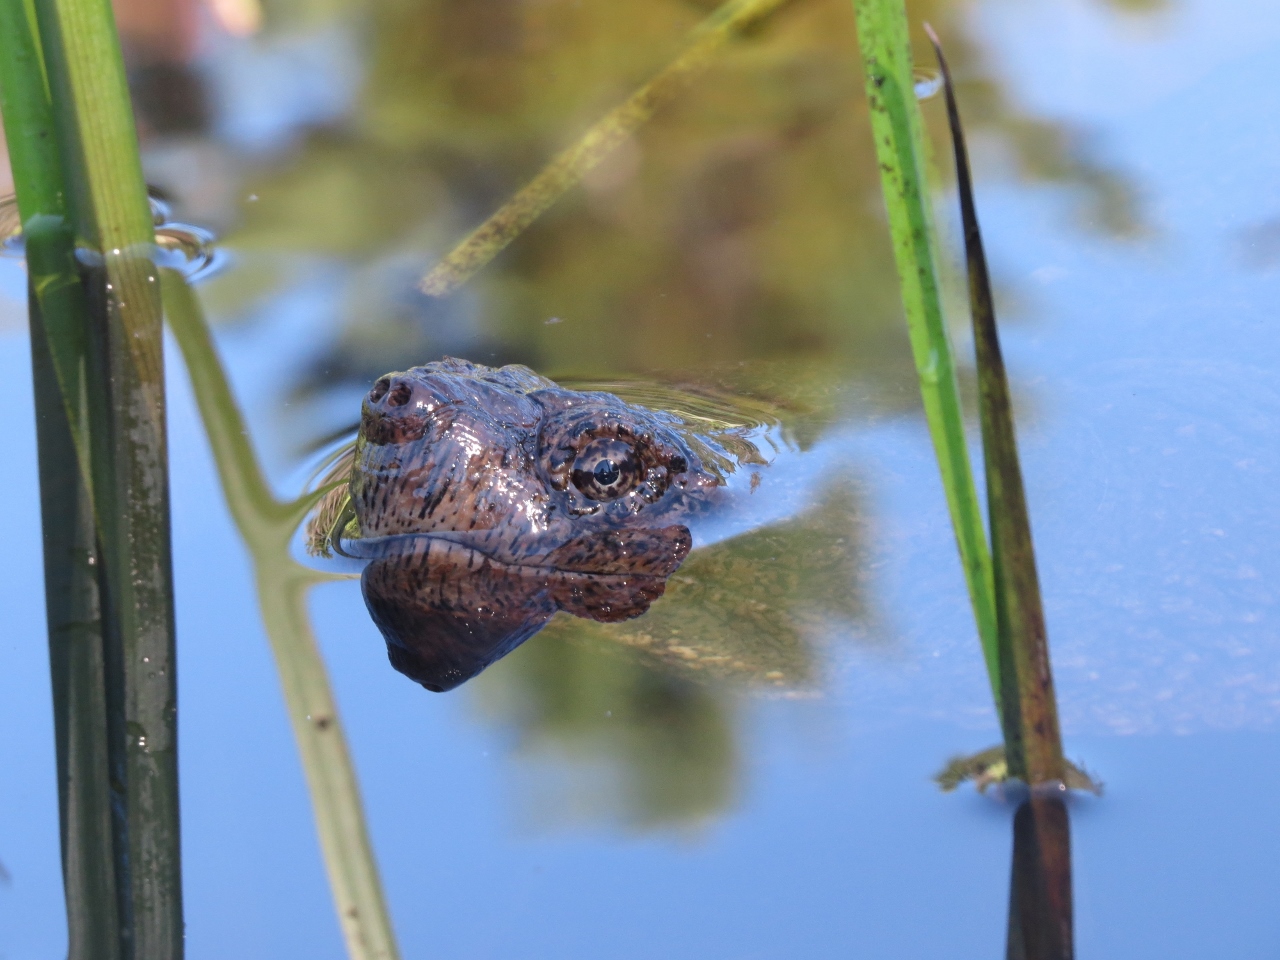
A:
x: 488, y: 499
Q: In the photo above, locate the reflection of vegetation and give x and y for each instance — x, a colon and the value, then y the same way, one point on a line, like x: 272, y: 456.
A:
x: 1139, y: 6
x: 620, y: 698
x: 567, y: 168
x: 664, y: 745
x: 1041, y: 912
x: 738, y: 225
x: 267, y: 526
x: 748, y: 608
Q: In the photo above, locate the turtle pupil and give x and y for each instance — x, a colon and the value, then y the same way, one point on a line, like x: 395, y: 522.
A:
x: 606, y: 473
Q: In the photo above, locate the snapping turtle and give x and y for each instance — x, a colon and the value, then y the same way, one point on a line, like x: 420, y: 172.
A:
x: 485, y: 500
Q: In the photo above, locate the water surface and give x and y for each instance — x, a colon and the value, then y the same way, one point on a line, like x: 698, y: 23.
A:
x: 592, y: 794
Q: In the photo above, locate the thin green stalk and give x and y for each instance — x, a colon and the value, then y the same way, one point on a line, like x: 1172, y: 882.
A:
x: 268, y: 527
x: 570, y: 165
x: 899, y: 143
x: 1029, y: 707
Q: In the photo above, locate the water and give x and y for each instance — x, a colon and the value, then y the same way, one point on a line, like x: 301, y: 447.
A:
x: 575, y: 800
x: 188, y: 249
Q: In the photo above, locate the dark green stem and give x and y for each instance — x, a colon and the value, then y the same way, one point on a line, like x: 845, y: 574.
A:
x: 78, y: 668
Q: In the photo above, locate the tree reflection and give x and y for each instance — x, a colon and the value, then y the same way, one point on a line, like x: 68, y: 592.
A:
x: 604, y: 737
x: 738, y: 225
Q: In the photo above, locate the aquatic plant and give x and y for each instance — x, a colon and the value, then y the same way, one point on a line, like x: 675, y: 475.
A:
x: 1032, y: 738
x: 897, y: 129
x: 1002, y: 580
x: 1001, y: 573
x: 99, y: 382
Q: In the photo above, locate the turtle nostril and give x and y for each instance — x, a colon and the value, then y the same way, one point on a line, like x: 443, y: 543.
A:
x: 379, y: 390
x: 400, y: 395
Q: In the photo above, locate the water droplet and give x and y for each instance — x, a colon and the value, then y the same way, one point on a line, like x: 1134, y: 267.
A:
x: 929, y: 372
x: 187, y: 249
x: 927, y: 82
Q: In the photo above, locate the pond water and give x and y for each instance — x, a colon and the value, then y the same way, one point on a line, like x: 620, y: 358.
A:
x: 588, y: 795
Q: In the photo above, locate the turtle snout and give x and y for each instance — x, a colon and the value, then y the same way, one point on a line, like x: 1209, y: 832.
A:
x: 398, y: 409
x: 390, y: 392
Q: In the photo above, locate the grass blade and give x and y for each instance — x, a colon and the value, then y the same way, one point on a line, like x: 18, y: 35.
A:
x: 570, y: 165
x: 1029, y: 709
x: 897, y: 129
x: 268, y: 527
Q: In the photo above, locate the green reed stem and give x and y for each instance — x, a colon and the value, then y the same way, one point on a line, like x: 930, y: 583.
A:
x: 1029, y: 708
x: 268, y: 527
x: 96, y: 341
x: 47, y: 233
x: 78, y: 668
x: 93, y: 860
x: 568, y: 167
x: 899, y: 143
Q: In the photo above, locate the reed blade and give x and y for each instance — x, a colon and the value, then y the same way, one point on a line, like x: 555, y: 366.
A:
x: 92, y: 856
x: 1028, y: 708
x: 78, y: 670
x: 106, y: 206
x: 897, y: 129
x: 41, y: 198
x: 568, y: 167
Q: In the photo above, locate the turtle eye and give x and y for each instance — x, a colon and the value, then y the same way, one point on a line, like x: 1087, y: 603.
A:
x: 606, y: 469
